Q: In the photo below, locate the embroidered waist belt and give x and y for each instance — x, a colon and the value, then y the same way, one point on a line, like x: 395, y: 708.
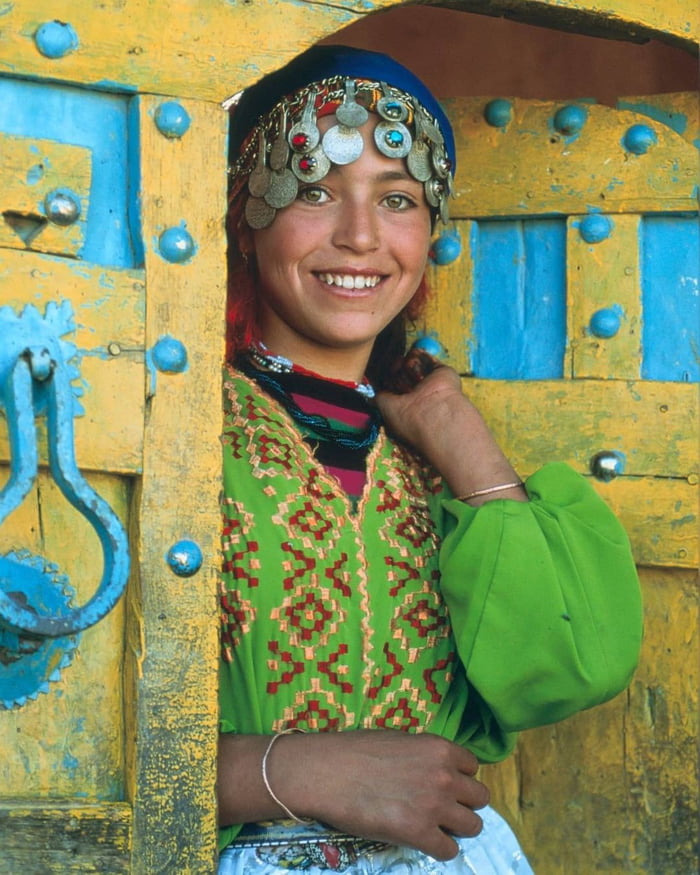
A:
x: 291, y: 845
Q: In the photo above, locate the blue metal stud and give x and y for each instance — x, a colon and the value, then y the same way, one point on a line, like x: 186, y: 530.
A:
x: 62, y: 206
x: 447, y: 248
x: 172, y: 119
x: 498, y: 112
x: 184, y: 558
x: 570, y: 119
x: 605, y: 322
x: 431, y: 345
x: 595, y: 228
x: 55, y: 39
x: 169, y: 355
x: 176, y: 244
x: 639, y: 139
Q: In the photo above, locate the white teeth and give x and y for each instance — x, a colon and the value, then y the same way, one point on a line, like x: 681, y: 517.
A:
x: 349, y: 281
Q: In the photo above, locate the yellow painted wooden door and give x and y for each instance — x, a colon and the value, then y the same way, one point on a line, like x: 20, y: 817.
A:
x: 572, y: 311
x: 111, y: 258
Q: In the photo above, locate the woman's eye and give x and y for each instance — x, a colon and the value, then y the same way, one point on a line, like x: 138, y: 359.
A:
x: 399, y: 202
x: 313, y: 195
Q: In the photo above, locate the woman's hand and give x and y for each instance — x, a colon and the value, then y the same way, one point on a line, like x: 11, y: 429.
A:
x: 441, y: 423
x: 403, y: 789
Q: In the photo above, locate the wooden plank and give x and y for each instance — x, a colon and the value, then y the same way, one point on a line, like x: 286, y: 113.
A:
x: 448, y: 313
x: 173, y: 629
x: 65, y: 838
x: 33, y: 169
x: 208, y: 49
x: 528, y: 167
x: 654, y: 426
x: 615, y: 779
x: 69, y: 741
x: 681, y: 112
x: 108, y: 307
x: 604, y: 276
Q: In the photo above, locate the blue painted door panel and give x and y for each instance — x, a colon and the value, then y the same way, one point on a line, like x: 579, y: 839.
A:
x: 103, y: 123
x: 519, y: 299
x: 670, y: 250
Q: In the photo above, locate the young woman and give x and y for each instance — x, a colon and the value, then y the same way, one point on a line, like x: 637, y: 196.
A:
x: 396, y: 603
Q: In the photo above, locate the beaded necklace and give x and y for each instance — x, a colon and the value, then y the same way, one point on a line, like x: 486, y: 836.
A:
x: 278, y: 364
x: 271, y: 380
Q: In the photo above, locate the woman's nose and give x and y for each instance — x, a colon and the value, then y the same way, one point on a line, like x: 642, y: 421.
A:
x: 357, y: 227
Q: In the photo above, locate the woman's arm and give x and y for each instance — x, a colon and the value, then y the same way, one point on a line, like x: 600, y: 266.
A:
x: 391, y: 786
x: 442, y: 424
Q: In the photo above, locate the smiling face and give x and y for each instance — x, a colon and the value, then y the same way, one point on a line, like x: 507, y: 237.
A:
x: 340, y: 262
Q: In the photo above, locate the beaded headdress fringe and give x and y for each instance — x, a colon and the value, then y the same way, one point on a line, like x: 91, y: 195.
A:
x: 286, y: 148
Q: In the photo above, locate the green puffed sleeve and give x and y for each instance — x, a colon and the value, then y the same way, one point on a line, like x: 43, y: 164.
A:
x: 544, y: 599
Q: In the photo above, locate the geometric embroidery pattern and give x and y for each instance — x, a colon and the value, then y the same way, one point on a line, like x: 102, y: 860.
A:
x: 336, y: 611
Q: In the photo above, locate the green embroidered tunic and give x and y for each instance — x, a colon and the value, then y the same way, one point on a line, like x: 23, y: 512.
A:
x: 415, y: 611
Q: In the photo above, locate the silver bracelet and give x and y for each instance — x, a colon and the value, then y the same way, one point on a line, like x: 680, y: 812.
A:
x: 266, y: 780
x: 489, y: 490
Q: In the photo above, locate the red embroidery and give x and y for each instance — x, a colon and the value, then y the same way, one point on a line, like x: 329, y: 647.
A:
x: 400, y: 716
x: 334, y: 676
x: 285, y: 657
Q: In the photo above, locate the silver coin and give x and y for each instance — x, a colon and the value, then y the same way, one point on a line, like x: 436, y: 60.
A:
x: 393, y: 139
x: 418, y: 161
x: 305, y: 130
x: 279, y: 153
x: 350, y: 113
x: 444, y: 210
x: 259, y: 179
x: 343, y: 145
x: 433, y: 190
x: 311, y: 167
x: 283, y: 189
x: 441, y: 162
x: 391, y: 109
x: 425, y: 126
x: 258, y: 214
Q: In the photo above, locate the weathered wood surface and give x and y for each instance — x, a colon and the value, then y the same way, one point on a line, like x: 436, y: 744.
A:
x: 64, y: 838
x: 172, y: 643
x: 208, y: 49
x: 654, y: 425
x: 529, y: 167
x: 108, y: 307
x: 614, y: 789
x: 32, y: 170
x: 69, y: 742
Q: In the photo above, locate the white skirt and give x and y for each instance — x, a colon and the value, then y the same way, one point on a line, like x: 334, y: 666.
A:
x: 495, y: 851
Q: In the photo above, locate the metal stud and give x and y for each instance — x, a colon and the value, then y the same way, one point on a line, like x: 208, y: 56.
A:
x: 570, y: 119
x: 169, y: 355
x: 56, y: 39
x: 184, y: 558
x: 605, y: 322
x: 498, y: 113
x: 172, y: 119
x: 62, y: 206
x: 176, y: 245
x: 447, y: 248
x: 639, y: 139
x: 607, y: 465
x: 595, y: 228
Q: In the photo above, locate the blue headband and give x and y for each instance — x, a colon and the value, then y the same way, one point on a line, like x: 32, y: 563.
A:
x: 322, y: 62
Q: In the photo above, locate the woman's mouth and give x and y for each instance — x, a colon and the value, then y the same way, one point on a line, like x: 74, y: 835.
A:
x: 350, y: 281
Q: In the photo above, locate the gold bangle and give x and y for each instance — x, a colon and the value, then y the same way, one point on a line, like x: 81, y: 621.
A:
x: 266, y: 780
x: 489, y: 490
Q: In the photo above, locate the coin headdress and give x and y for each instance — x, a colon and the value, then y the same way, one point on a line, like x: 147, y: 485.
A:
x: 275, y: 143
